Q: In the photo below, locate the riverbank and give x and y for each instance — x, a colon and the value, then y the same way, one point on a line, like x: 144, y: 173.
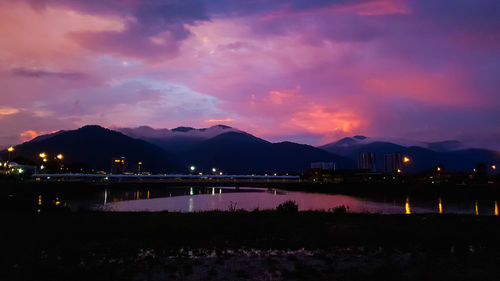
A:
x: 220, y: 245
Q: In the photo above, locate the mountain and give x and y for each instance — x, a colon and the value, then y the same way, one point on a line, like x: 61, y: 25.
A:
x: 96, y: 146
x: 239, y: 152
x: 177, y: 140
x: 425, y: 155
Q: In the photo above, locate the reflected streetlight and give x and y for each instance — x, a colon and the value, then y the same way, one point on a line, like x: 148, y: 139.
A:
x: 407, y: 206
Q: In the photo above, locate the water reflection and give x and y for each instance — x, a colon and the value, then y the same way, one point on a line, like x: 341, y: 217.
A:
x: 193, y: 199
x: 407, y: 206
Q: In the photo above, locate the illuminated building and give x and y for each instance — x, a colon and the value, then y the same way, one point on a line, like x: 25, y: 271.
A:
x: 118, y: 165
x: 323, y: 165
x: 393, y: 162
x: 366, y: 161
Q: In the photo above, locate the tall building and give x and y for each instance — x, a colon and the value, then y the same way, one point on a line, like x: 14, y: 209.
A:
x: 323, y: 165
x: 118, y: 165
x: 393, y: 162
x: 366, y: 161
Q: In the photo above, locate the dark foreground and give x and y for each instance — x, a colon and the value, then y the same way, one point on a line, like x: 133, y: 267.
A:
x: 265, y: 245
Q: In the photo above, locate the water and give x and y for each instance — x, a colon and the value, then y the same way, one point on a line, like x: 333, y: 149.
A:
x: 208, y: 199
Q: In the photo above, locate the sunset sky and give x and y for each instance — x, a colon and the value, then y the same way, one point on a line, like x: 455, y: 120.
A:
x: 306, y: 71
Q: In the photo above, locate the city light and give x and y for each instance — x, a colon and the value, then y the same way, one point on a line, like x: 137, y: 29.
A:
x: 214, y: 170
x: 60, y: 156
x: 406, y: 159
x: 42, y: 155
x: 140, y: 163
x: 438, y: 169
x: 192, y: 168
x: 494, y: 167
x: 399, y: 170
x: 10, y: 149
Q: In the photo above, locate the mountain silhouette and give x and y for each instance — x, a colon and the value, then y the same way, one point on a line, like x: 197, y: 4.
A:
x: 96, y: 146
x: 422, y: 158
x: 239, y: 152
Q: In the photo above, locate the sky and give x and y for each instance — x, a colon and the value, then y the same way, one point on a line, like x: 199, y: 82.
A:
x: 306, y: 71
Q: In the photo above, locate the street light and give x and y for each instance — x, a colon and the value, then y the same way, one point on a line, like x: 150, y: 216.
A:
x: 42, y: 155
x: 494, y: 167
x: 59, y: 156
x: 214, y: 170
x: 10, y: 150
x: 139, y: 168
x: 406, y: 159
x: 192, y: 168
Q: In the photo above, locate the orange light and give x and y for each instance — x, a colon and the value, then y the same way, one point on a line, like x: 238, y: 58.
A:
x: 117, y: 161
x: 494, y: 167
x: 44, y: 159
x: 406, y: 159
x: 407, y: 206
x: 60, y: 156
x: 42, y: 155
x: 140, y: 163
x: 439, y: 169
x: 399, y: 170
x: 10, y: 149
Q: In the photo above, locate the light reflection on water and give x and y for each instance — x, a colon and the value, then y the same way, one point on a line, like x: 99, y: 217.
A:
x: 257, y: 198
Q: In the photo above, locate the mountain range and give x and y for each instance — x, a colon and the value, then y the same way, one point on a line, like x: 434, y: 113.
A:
x: 233, y: 151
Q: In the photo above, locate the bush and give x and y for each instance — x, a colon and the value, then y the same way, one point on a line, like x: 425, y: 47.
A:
x: 288, y: 207
x: 339, y: 209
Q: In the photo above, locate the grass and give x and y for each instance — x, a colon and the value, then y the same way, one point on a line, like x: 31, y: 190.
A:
x: 61, y: 242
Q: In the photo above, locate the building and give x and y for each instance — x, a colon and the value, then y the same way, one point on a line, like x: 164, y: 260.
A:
x: 323, y: 165
x: 366, y: 161
x: 393, y: 162
x: 118, y: 165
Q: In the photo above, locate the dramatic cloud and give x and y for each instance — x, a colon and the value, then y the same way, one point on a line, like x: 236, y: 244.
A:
x: 35, y: 73
x: 308, y: 71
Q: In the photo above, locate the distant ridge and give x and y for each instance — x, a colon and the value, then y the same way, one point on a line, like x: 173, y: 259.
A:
x: 425, y: 155
x: 96, y: 146
x: 234, y: 151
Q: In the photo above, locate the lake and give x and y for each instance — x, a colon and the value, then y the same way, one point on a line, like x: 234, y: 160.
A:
x: 196, y: 199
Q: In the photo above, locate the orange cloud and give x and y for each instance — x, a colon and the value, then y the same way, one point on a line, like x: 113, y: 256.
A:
x: 29, y: 135
x: 219, y: 120
x: 319, y: 120
x: 8, y: 111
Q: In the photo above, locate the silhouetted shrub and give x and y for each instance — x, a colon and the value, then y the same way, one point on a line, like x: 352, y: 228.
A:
x: 288, y: 207
x: 339, y: 209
